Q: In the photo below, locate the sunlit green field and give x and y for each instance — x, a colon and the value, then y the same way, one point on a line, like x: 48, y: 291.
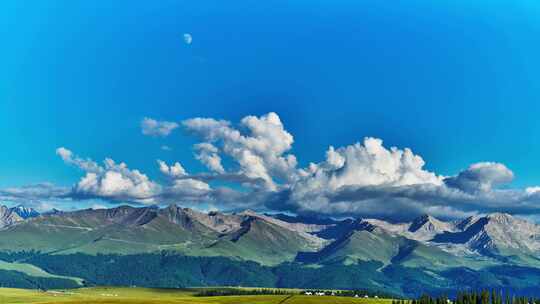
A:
x: 115, y: 295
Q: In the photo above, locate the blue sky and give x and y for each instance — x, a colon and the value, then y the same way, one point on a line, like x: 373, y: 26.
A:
x: 457, y: 82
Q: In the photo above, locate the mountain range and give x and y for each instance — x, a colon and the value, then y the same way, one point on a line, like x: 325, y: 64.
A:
x: 9, y: 216
x: 175, y: 246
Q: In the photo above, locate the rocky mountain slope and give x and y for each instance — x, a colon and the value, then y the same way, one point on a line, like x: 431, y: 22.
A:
x: 127, y: 230
x: 244, y: 235
x: 10, y: 216
x: 24, y: 212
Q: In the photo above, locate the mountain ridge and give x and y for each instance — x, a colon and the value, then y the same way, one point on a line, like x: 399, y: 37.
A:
x: 425, y: 247
x: 490, y: 233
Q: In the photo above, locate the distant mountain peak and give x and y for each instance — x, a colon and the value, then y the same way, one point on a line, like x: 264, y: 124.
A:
x: 8, y: 216
x: 502, y: 218
x: 419, y: 222
x: 362, y: 225
x: 25, y: 212
x: 53, y: 211
x: 428, y: 223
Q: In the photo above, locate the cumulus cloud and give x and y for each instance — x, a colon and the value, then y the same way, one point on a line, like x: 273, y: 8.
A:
x: 472, y: 191
x: 111, y: 180
x: 154, y: 127
x: 188, y: 189
x: 326, y: 187
x: 366, y: 164
x: 207, y: 154
x: 182, y: 186
x: 87, y: 165
x: 365, y: 179
x: 481, y: 177
x: 260, y: 151
x: 173, y: 171
x: 118, y: 182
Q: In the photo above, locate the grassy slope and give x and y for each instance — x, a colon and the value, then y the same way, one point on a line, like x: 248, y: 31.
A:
x: 417, y: 255
x: 161, y: 296
x: 263, y: 242
x: 34, y: 271
x: 93, y: 233
x: 365, y: 245
x: 46, y: 237
x: 156, y: 235
x: 360, y: 245
x: 65, y: 235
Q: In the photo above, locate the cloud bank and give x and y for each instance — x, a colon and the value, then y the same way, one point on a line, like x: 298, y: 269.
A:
x: 364, y: 179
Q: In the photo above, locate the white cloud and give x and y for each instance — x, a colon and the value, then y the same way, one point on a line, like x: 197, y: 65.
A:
x: 83, y: 164
x: 260, y: 151
x: 208, y: 155
x: 370, y: 164
x: 166, y: 148
x: 362, y: 165
x: 173, y: 171
x: 154, y: 127
x: 118, y: 182
x: 364, y: 179
x: 532, y: 190
x: 367, y: 164
x: 481, y: 177
x: 189, y: 187
x: 112, y: 180
x: 182, y: 187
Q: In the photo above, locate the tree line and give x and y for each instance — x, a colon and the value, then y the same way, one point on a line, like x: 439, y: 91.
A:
x: 474, y: 297
x: 219, y: 292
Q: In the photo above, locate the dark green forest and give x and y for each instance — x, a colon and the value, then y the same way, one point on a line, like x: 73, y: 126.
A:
x: 170, y: 270
x: 475, y: 297
x: 15, y: 279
